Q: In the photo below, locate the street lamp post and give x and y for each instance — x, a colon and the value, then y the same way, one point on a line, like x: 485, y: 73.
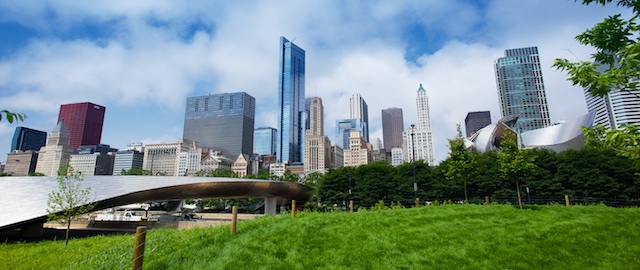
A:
x: 413, y: 150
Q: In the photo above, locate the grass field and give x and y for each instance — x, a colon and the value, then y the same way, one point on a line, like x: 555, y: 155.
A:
x: 436, y: 237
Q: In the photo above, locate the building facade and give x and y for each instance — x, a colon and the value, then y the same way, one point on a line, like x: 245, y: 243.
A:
x: 126, y: 160
x: 291, y: 101
x: 242, y: 166
x: 56, y: 153
x: 21, y: 163
x: 343, y: 131
x: 397, y: 156
x: 221, y: 122
x: 166, y: 158
x: 317, y: 148
x: 84, y: 121
x: 476, y: 121
x: 337, y: 156
x: 615, y: 108
x: 360, y: 110
x: 419, y: 141
x: 93, y: 163
x: 521, y: 88
x: 25, y: 139
x: 392, y: 127
x: 359, y: 151
x: 264, y: 141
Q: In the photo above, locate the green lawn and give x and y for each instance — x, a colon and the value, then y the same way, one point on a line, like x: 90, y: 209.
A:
x: 437, y: 237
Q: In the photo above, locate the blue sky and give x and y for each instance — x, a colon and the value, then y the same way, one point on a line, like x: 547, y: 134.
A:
x: 141, y: 59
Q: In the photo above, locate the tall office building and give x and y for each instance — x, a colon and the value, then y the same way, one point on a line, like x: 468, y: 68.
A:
x: 84, y: 121
x: 56, y: 153
x: 343, y: 131
x: 476, y: 121
x: 392, y: 127
x: 418, y: 140
x: 25, y: 139
x: 221, y: 122
x: 264, y: 141
x: 317, y: 147
x: 359, y: 151
x: 615, y: 108
x: 360, y: 110
x: 21, y: 163
x: 521, y: 88
x: 291, y: 101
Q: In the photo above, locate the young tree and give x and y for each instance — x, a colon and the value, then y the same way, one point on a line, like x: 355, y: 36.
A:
x: 514, y: 162
x: 461, y: 163
x: 69, y: 199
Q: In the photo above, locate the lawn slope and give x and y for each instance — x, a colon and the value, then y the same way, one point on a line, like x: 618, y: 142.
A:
x: 437, y: 237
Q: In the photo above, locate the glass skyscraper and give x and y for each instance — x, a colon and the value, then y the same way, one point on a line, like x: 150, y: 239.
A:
x: 360, y: 110
x: 264, y: 141
x: 291, y: 103
x: 26, y: 139
x: 521, y: 88
x: 476, y: 121
x: 615, y: 108
x: 343, y: 131
x: 221, y: 122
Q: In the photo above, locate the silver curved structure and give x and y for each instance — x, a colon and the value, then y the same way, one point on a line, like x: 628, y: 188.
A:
x: 560, y: 137
x: 23, y: 200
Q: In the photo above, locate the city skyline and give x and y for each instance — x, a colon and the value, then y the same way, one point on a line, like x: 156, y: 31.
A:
x: 120, y: 57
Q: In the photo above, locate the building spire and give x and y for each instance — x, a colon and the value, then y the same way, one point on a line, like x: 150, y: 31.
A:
x: 421, y: 89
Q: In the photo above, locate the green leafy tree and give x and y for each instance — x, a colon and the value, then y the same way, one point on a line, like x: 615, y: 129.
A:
x: 290, y: 177
x: 616, y: 63
x: 220, y: 172
x: 461, y: 165
x: 68, y: 200
x: 614, y: 66
x: 11, y: 116
x: 134, y: 171
x: 514, y: 162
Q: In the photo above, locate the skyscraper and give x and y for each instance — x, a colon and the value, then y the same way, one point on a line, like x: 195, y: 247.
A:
x: 25, y: 139
x: 221, y: 122
x: 476, y: 121
x: 264, y: 141
x: 343, y: 131
x: 291, y: 101
x: 56, y: 153
x: 521, y: 88
x: 359, y: 110
x: 317, y: 147
x: 419, y: 140
x: 84, y: 121
x: 392, y: 127
x: 616, y: 108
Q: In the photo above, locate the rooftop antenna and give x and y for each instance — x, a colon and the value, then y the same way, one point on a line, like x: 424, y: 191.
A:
x: 574, y: 55
x: 293, y: 39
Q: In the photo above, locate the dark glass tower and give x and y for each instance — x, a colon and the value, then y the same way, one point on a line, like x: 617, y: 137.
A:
x: 521, y: 88
x: 26, y: 139
x: 476, y: 121
x: 264, y: 141
x: 392, y: 127
x: 84, y: 122
x: 221, y: 122
x: 291, y: 103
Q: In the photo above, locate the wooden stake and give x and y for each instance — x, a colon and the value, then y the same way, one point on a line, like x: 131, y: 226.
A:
x: 234, y: 219
x: 417, y: 202
x: 566, y: 200
x: 486, y: 200
x: 138, y: 248
x: 350, y: 206
x: 293, y: 208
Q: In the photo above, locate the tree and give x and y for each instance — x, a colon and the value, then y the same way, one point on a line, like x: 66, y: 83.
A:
x: 461, y: 163
x: 69, y: 199
x: 220, y: 172
x: 10, y: 116
x: 134, y: 171
x: 615, y: 66
x: 616, y: 62
x: 514, y: 162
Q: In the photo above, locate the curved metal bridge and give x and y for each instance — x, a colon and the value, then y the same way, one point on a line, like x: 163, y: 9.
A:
x: 23, y: 200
